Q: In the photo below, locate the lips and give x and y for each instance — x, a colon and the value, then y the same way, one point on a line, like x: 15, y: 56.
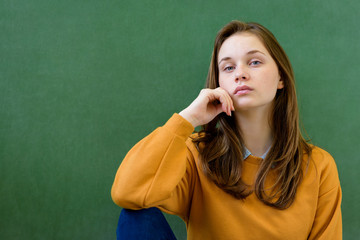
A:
x: 242, y: 90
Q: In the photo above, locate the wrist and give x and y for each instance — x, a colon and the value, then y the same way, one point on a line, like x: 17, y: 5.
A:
x: 189, y: 118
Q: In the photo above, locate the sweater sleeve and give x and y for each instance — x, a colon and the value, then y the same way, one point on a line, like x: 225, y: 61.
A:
x: 158, y: 171
x: 328, y: 221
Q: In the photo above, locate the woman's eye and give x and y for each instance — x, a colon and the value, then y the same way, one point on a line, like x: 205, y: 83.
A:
x: 255, y: 62
x: 229, y: 68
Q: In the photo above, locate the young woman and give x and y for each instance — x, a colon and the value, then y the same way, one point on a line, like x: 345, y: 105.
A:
x: 249, y: 173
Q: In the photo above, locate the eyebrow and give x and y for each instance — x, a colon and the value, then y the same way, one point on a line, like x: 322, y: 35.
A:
x: 248, y: 53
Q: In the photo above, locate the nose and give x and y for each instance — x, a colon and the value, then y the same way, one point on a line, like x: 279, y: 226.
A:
x: 241, y: 75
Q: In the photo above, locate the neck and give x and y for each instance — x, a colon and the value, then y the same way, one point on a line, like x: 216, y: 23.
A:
x: 255, y: 130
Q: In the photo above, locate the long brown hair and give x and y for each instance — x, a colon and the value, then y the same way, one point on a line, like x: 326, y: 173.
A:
x: 220, y: 143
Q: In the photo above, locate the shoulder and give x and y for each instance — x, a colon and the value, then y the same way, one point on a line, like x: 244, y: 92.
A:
x: 321, y: 158
x: 325, y: 167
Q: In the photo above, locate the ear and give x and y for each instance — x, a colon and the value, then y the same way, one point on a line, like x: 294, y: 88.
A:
x: 280, y: 84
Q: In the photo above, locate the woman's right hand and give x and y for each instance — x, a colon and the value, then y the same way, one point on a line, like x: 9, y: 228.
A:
x: 209, y: 104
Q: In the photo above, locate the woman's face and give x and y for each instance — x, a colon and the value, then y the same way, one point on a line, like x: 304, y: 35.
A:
x: 248, y: 72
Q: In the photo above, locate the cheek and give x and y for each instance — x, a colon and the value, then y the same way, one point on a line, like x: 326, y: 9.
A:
x: 220, y: 79
x: 272, y: 89
x: 272, y: 80
x: 223, y: 82
x: 225, y: 85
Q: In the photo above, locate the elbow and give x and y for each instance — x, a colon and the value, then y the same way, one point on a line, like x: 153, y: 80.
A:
x: 125, y: 199
x: 116, y: 197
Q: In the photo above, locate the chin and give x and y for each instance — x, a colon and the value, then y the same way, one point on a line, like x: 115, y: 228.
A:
x: 243, y: 108
x: 244, y: 105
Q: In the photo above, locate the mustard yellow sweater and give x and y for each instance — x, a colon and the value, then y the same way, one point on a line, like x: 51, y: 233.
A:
x: 162, y: 171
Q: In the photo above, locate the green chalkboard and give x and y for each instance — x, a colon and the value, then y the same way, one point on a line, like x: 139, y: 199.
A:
x: 82, y: 81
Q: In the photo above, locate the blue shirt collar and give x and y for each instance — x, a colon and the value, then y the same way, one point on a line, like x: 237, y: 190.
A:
x: 248, y: 153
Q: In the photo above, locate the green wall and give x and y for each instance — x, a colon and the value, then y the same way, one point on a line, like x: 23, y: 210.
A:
x: 83, y: 81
